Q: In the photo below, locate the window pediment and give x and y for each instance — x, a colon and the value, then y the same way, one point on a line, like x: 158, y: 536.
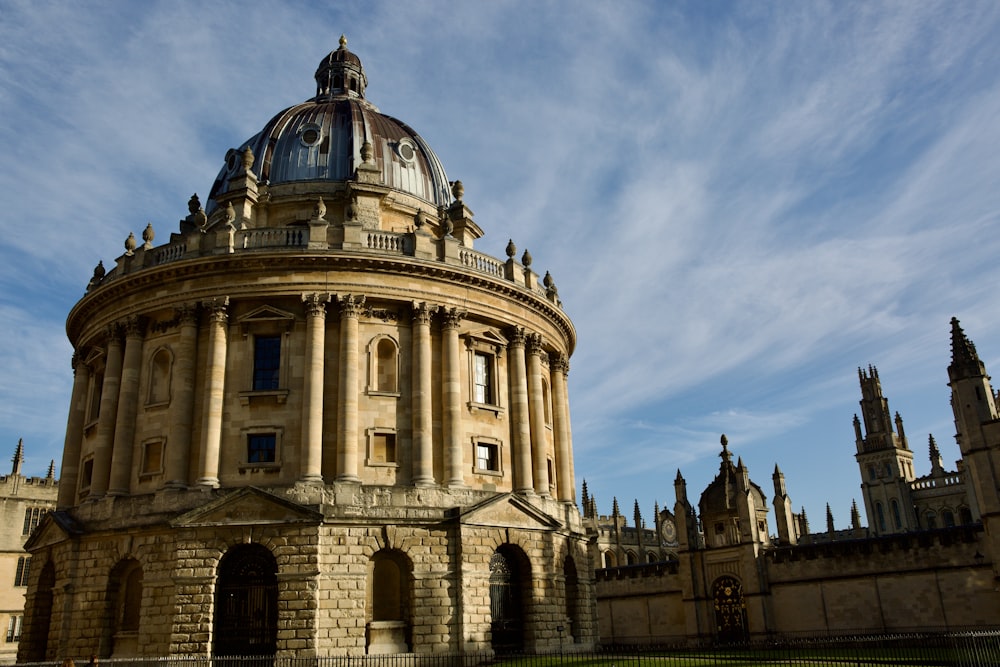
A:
x: 266, y: 315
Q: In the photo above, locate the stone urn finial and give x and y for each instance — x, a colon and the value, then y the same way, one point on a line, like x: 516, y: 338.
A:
x: 230, y: 214
x: 248, y: 158
x: 147, y: 236
x: 511, y: 248
x: 447, y: 226
x: 367, y: 152
x: 418, y: 220
x: 526, y: 259
x: 130, y: 244
x: 457, y: 190
x: 319, y: 211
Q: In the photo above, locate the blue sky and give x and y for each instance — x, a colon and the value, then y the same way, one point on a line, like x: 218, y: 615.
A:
x: 741, y: 203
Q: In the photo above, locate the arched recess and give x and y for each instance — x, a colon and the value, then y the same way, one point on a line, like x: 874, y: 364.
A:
x: 246, y: 603
x: 573, y: 603
x: 124, y: 602
x: 390, y: 601
x: 159, y: 377
x: 35, y: 641
x: 631, y: 558
x: 730, y: 610
x: 510, y: 588
x: 609, y: 559
x: 383, y: 354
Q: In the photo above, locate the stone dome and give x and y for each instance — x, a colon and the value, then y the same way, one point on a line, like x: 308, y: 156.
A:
x: 326, y: 137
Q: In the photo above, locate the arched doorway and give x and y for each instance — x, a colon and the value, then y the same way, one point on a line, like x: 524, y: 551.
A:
x: 390, y: 583
x: 36, y: 638
x: 246, y: 603
x: 508, y: 575
x: 124, y: 600
x: 730, y: 610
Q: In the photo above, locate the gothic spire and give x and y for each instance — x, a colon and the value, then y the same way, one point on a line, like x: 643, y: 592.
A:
x: 18, y: 457
x: 965, y: 361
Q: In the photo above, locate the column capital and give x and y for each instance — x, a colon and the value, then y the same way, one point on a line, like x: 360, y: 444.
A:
x: 558, y: 361
x: 451, y: 318
x: 316, y: 304
x: 134, y: 326
x: 535, y: 344
x: 516, y: 337
x: 78, y: 362
x: 217, y: 309
x: 113, y: 332
x: 422, y: 312
x: 351, y: 305
x: 187, y: 313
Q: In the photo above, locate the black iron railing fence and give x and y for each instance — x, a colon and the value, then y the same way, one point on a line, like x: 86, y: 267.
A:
x: 974, y: 648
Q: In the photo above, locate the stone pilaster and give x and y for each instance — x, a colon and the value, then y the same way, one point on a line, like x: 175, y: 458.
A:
x: 312, y: 401
x: 536, y: 415
x: 178, y: 450
x: 69, y: 471
x: 452, y: 397
x: 521, y: 447
x: 218, y: 322
x: 423, y: 452
x: 347, y: 432
x: 108, y: 414
x: 558, y: 372
x: 128, y: 406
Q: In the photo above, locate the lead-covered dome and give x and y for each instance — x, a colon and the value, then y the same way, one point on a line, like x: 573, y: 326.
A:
x: 325, y: 138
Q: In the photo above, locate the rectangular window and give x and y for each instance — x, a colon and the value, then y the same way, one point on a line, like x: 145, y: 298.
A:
x: 152, y: 457
x: 32, y: 517
x: 88, y: 474
x: 266, y: 362
x: 262, y: 447
x: 21, y: 574
x: 14, y: 629
x: 487, y: 457
x: 482, y: 373
x: 383, y: 448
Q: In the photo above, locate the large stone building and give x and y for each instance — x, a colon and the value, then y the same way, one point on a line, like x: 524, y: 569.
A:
x: 928, y: 560
x: 24, y: 501
x: 316, y: 421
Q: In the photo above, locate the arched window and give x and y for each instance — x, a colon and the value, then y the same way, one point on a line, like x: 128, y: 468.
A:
x: 159, y: 378
x: 338, y: 82
x: 880, y: 516
x: 631, y: 558
x: 896, y: 518
x: 931, y: 520
x: 246, y: 602
x: 609, y: 559
x: 948, y: 518
x: 651, y: 557
x: 546, y: 402
x: 965, y: 515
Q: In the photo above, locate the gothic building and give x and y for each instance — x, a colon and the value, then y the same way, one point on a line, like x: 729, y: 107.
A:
x: 928, y: 560
x: 315, y: 410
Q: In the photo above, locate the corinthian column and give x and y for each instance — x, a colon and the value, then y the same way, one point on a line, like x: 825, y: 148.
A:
x: 177, y: 453
x: 558, y: 371
x: 519, y: 413
x: 108, y: 414
x: 452, y: 395
x: 423, y: 455
x: 536, y: 413
x: 218, y: 321
x: 347, y: 435
x: 69, y: 471
x: 312, y: 403
x: 128, y: 404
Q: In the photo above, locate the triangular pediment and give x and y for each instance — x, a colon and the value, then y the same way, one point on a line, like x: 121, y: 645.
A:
x: 508, y: 511
x: 247, y: 507
x: 489, y: 336
x: 54, y: 528
x: 266, y: 314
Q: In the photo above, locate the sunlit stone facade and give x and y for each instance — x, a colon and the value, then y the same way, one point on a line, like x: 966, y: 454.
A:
x: 316, y: 421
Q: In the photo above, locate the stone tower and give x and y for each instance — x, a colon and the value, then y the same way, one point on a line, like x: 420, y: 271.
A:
x: 885, y: 460
x: 314, y: 411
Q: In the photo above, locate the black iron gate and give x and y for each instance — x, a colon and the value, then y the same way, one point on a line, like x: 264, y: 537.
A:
x: 246, y: 603
x: 505, y: 605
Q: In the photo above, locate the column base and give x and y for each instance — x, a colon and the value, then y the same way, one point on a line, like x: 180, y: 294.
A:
x: 210, y: 482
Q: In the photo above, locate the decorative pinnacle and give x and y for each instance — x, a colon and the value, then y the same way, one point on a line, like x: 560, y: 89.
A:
x: 343, y: 41
x: 511, y: 248
x: 962, y: 349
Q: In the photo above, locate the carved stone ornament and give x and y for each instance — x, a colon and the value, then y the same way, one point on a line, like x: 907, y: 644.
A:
x: 130, y: 244
x: 217, y: 309
x: 134, y: 326
x: 147, y: 236
x: 196, y: 218
x: 248, y: 158
x: 457, y: 190
x: 187, y: 313
x: 316, y: 304
x: 558, y: 361
x: 422, y: 312
x: 351, y: 305
x: 367, y: 152
x: 452, y: 317
x: 230, y: 214
x: 516, y: 337
x: 319, y: 212
x: 383, y: 314
x: 511, y: 248
x: 418, y: 220
x: 526, y: 259
x: 535, y: 344
x: 97, y: 277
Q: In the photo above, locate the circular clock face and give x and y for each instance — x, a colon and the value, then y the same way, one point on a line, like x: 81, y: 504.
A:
x: 668, y: 530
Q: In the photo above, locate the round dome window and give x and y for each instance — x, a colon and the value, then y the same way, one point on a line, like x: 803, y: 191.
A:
x: 310, y: 135
x: 406, y: 150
